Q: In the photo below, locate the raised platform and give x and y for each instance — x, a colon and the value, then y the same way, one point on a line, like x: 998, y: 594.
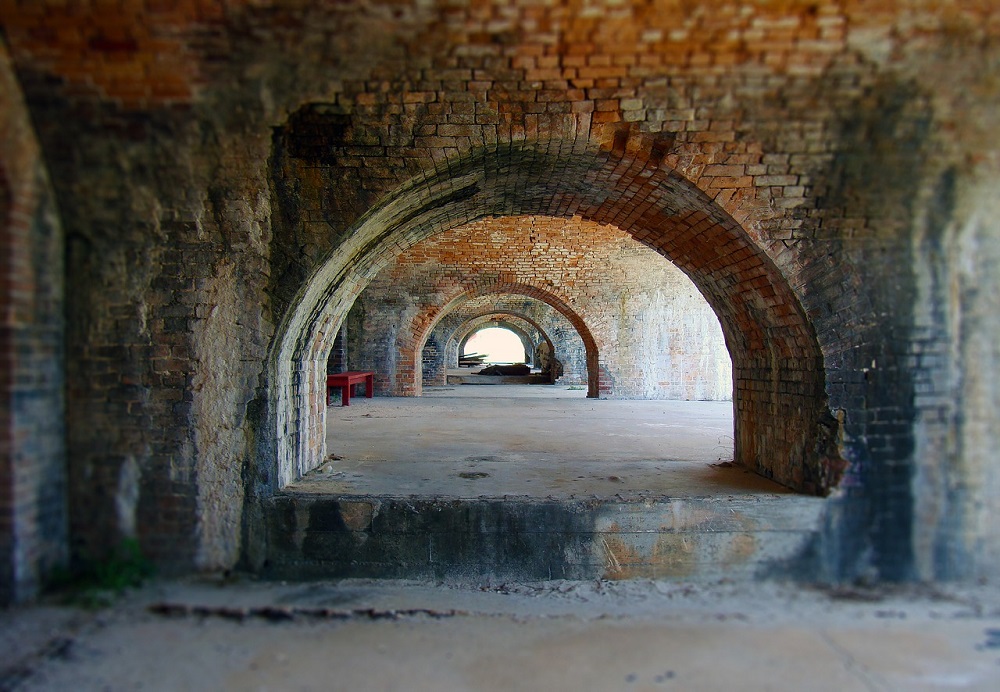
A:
x: 458, y: 376
x: 484, y: 489
x: 314, y: 536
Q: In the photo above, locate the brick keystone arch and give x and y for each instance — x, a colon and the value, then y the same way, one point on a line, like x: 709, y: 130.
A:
x: 784, y: 429
x: 425, y: 321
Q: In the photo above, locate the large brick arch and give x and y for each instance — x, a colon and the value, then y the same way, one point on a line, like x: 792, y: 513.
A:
x: 783, y: 426
x: 425, y: 322
x: 856, y: 142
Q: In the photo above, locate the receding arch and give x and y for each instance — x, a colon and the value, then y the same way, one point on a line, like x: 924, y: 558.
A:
x: 783, y: 427
x: 633, y: 299
x: 492, y: 318
x: 561, y: 336
x: 429, y: 318
x: 507, y: 323
x: 528, y: 333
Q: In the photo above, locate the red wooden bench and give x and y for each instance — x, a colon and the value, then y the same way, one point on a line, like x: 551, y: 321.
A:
x: 346, y: 382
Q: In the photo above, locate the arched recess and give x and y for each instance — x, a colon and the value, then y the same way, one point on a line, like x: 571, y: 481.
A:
x: 436, y: 363
x: 528, y: 333
x: 424, y: 323
x: 562, y: 336
x: 456, y: 340
x: 784, y: 429
x: 511, y: 324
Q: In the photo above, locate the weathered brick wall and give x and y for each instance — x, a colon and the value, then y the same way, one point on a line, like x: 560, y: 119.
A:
x: 822, y: 171
x: 7, y: 590
x: 955, y: 357
x: 166, y: 244
x: 656, y: 336
x: 33, y: 526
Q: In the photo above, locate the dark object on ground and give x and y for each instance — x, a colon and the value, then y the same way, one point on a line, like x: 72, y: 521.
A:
x: 517, y: 370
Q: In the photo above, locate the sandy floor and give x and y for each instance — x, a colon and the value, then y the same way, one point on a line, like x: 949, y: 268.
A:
x: 530, y: 441
x: 359, y: 635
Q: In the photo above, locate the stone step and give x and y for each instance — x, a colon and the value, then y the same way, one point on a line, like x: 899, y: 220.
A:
x: 314, y: 536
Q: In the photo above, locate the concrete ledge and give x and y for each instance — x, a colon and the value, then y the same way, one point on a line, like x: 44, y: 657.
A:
x: 693, y: 539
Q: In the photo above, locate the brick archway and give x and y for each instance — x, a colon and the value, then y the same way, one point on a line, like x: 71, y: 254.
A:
x: 521, y: 327
x: 433, y: 316
x: 457, y: 343
x: 783, y: 426
x: 527, y: 331
x: 414, y: 338
x: 560, y: 334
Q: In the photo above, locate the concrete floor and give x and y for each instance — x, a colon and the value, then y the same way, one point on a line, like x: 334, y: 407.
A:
x: 227, y: 634
x: 530, y: 441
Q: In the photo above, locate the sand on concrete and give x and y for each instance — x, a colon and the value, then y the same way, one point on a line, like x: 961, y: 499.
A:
x: 530, y: 441
x: 233, y: 634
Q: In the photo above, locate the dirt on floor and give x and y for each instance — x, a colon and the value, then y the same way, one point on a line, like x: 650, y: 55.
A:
x: 233, y: 633
x: 459, y: 442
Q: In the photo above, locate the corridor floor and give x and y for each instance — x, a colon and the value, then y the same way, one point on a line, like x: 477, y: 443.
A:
x: 530, y: 441
x: 233, y: 634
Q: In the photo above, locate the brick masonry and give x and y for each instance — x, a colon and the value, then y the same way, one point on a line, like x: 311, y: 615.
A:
x: 656, y: 337
x: 33, y: 488
x: 230, y: 175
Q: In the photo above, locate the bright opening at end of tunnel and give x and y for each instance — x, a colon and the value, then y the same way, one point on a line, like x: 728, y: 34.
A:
x: 499, y: 345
